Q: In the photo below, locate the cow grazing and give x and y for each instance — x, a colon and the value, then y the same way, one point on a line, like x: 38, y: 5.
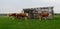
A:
x: 43, y: 14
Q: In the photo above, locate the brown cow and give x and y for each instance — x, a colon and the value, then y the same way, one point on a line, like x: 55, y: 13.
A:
x: 23, y: 15
x: 43, y: 14
x: 12, y: 14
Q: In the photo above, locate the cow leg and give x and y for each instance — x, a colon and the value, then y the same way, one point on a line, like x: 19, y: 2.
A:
x: 40, y: 18
x: 13, y: 18
x: 25, y: 18
x: 45, y: 18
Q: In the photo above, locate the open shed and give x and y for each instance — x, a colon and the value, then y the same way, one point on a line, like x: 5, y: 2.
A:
x: 33, y: 12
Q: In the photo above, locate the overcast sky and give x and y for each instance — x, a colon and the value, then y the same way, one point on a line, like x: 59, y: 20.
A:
x: 9, y: 6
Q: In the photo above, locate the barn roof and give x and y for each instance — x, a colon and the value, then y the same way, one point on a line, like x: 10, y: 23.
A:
x: 38, y: 8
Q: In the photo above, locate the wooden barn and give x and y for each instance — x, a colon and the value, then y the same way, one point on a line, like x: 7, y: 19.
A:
x: 33, y: 12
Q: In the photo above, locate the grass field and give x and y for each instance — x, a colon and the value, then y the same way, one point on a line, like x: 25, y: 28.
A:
x: 10, y: 23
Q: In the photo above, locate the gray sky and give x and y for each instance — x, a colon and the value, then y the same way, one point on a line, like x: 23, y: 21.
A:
x: 11, y: 6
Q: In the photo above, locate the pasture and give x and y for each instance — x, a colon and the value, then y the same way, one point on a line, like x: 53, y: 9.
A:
x: 11, y: 23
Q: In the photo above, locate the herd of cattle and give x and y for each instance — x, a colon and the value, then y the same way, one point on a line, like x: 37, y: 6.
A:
x: 25, y: 15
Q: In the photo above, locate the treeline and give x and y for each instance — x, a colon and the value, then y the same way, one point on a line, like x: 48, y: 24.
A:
x: 3, y: 14
x: 56, y: 13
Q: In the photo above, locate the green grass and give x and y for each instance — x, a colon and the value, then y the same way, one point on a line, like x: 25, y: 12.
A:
x: 10, y: 23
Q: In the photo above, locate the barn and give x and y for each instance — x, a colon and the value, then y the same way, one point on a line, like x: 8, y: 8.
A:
x: 33, y: 12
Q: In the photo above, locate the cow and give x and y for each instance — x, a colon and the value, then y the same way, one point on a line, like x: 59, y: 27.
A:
x: 12, y: 14
x: 20, y: 15
x: 43, y: 14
